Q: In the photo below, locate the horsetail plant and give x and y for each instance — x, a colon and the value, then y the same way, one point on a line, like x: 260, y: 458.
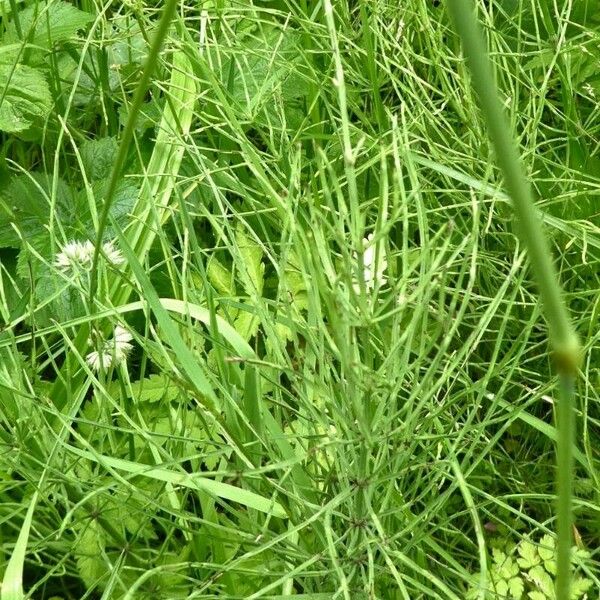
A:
x: 563, y: 339
x: 311, y: 362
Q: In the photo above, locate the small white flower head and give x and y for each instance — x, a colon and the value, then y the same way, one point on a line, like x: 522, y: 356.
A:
x: 111, y: 352
x: 77, y: 256
x: 121, y: 343
x: 112, y: 253
x: 99, y: 360
x: 374, y: 265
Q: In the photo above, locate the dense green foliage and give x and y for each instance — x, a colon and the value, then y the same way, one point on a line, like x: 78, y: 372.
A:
x: 310, y: 360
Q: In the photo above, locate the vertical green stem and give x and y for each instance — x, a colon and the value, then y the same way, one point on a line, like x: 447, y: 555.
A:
x: 564, y: 341
x: 564, y: 464
x: 136, y: 105
x: 339, y: 82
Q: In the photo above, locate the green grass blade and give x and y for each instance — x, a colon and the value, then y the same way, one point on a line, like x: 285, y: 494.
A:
x: 199, y: 482
x: 156, y: 196
x: 136, y: 105
x: 12, y: 583
x: 193, y: 371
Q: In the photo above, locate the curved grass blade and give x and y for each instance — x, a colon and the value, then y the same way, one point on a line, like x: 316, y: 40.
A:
x: 194, y: 481
x: 12, y: 583
x: 153, y: 201
x: 136, y: 105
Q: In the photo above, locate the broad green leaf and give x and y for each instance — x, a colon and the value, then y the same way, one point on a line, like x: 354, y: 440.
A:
x: 130, y: 510
x: 30, y: 201
x: 25, y: 214
x: 246, y: 324
x: 310, y: 441
x: 11, y: 385
x: 148, y: 117
x: 25, y: 97
x: 474, y: 591
x: 295, y: 283
x: 542, y: 580
x: 195, y: 481
x: 501, y: 588
x: 28, y: 212
x: 547, y: 552
x: 11, y: 53
x: 129, y: 47
x: 185, y: 433
x: 45, y: 23
x: 86, y: 86
x: 267, y: 67
x: 98, y: 157
x: 546, y: 547
x: 499, y: 556
x: 283, y: 332
x: 579, y: 587
x: 154, y: 388
x: 90, y: 417
x: 32, y: 195
x: 172, y: 580
x: 220, y: 277
x: 508, y: 568
x: 15, y: 294
x: 66, y: 303
x: 88, y: 550
x: 5, y: 6
x: 26, y: 204
x: 121, y: 208
x: 580, y: 553
x: 10, y: 226
x: 585, y: 13
x: 251, y: 269
x: 550, y: 566
x: 126, y: 195
x: 516, y: 588
x: 528, y: 555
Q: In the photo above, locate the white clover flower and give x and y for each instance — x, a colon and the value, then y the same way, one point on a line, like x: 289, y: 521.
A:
x: 121, y: 343
x: 99, y: 360
x: 374, y: 274
x: 112, y: 352
x: 76, y: 256
x: 113, y: 254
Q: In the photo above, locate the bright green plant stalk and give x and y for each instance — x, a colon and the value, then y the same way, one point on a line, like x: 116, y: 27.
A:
x: 163, y: 167
x: 349, y: 152
x: 12, y: 582
x: 564, y: 341
x: 566, y: 441
x: 136, y: 105
x: 154, y: 204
